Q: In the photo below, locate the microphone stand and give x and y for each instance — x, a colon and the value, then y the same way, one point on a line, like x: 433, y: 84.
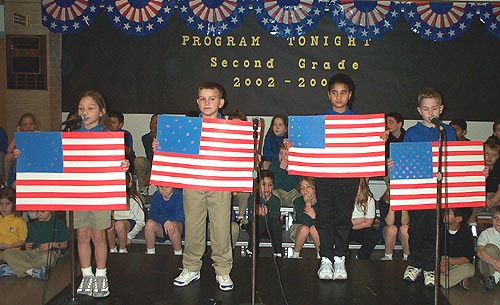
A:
x: 254, y: 205
x: 439, y: 186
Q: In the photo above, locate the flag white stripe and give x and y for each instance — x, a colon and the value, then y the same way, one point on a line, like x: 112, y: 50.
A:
x: 201, y: 172
x: 73, y: 201
x: 202, y: 162
x: 69, y: 189
x: 72, y: 176
x: 200, y: 182
x: 351, y: 160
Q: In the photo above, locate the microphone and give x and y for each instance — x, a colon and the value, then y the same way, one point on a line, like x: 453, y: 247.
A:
x: 434, y: 120
x: 78, y: 119
x: 256, y: 122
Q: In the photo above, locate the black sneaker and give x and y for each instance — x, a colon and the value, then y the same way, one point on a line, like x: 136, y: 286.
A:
x: 488, y: 284
x: 464, y: 284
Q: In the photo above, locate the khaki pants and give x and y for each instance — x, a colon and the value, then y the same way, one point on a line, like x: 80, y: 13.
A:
x: 218, y: 206
x: 21, y: 261
x: 456, y: 274
x: 486, y: 269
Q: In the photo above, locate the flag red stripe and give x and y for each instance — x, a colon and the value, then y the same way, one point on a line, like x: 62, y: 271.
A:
x: 336, y: 175
x: 340, y: 165
x: 432, y: 205
x: 71, y: 195
x: 330, y: 125
x: 231, y: 132
x: 37, y: 182
x: 352, y: 155
x: 217, y: 178
x: 86, y: 135
x: 358, y: 116
x: 93, y: 158
x: 110, y: 169
x: 222, y: 149
x: 71, y: 207
x: 201, y: 157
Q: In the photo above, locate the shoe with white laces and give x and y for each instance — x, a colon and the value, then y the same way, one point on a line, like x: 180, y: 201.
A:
x: 386, y: 258
x: 186, y: 277
x: 325, y: 271
x: 429, y: 279
x: 411, y: 274
x: 101, y: 287
x: 339, y: 272
x: 225, y: 282
x: 39, y: 273
x: 86, y: 285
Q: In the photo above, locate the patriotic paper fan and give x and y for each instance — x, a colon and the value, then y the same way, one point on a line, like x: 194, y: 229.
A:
x: 139, y: 17
x: 213, y: 17
x: 364, y: 19
x: 440, y: 21
x: 490, y: 16
x: 288, y: 18
x: 68, y: 16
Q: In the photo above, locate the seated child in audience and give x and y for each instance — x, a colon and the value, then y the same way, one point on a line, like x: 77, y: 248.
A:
x: 166, y: 219
x: 126, y: 224
x: 460, y: 127
x: 273, y: 140
x: 362, y: 221
x: 13, y: 228
x: 488, y: 251
x: 306, y: 208
x: 496, y: 131
x: 115, y: 122
x: 27, y: 123
x: 267, y: 211
x: 394, y: 225
x: 285, y: 185
x: 492, y: 162
x: 143, y: 165
x: 458, y: 253
x: 45, y: 236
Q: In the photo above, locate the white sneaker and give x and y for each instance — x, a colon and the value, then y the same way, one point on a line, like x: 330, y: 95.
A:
x: 411, y: 273
x: 386, y: 258
x: 124, y: 250
x: 225, y: 282
x: 429, y: 279
x: 339, y: 272
x: 325, y: 271
x: 296, y: 255
x: 113, y: 250
x: 101, y: 287
x: 86, y: 285
x: 186, y: 277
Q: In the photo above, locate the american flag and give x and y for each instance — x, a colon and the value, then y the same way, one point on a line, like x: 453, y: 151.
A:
x: 413, y: 183
x: 337, y: 146
x: 70, y: 171
x: 205, y: 154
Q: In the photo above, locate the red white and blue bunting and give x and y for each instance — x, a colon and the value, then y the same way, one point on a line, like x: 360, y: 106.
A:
x: 139, y: 17
x: 440, y: 21
x: 213, y: 17
x: 288, y: 18
x: 435, y: 21
x: 69, y: 16
x: 364, y: 19
x: 490, y: 16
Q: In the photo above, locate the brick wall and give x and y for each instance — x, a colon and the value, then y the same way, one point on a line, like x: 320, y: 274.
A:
x: 45, y: 104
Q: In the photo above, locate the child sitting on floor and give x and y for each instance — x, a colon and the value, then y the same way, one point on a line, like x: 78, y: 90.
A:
x: 488, y: 251
x: 45, y: 236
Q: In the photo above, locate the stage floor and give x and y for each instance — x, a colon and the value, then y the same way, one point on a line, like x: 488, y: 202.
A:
x: 136, y: 278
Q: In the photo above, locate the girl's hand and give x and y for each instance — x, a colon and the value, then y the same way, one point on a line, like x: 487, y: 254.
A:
x: 309, y: 211
x: 16, y: 153
x: 486, y: 171
x: 385, y: 135
x: 125, y: 165
x: 44, y: 247
x: 28, y: 246
x: 287, y: 143
x: 262, y: 210
x: 129, y: 241
x: 155, y: 144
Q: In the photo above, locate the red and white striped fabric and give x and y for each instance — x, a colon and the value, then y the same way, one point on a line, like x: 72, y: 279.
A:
x: 463, y: 180
x: 353, y: 147
x: 86, y: 176
x: 223, y: 159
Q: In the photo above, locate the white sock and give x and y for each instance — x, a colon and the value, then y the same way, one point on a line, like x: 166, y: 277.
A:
x: 178, y: 252
x: 496, y: 274
x: 151, y: 251
x: 296, y: 254
x: 100, y: 272
x: 405, y: 257
x: 388, y: 255
x: 87, y: 271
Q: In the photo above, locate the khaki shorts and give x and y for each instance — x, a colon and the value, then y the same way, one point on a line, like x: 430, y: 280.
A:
x: 293, y: 233
x: 96, y: 220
